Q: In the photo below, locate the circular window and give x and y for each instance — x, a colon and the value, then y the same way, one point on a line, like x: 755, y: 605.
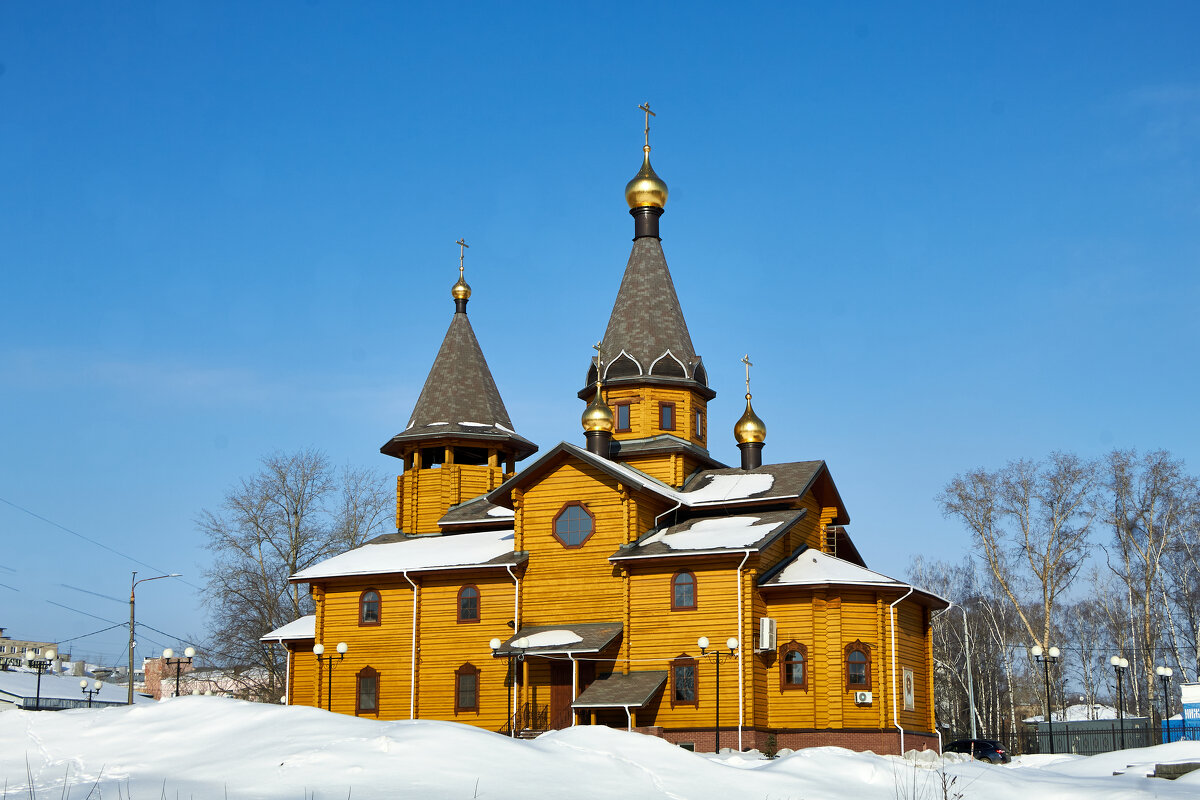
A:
x: 573, y: 525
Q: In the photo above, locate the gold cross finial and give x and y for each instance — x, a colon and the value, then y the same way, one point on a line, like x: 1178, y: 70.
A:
x: 599, y: 363
x: 646, y: 107
x: 462, y: 249
x: 746, y: 360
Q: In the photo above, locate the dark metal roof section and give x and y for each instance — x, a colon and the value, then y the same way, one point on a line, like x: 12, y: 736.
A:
x: 477, y: 513
x: 460, y: 399
x: 647, y: 338
x: 615, y: 690
x: 792, y: 479
x: 621, y: 449
x: 594, y: 637
x: 713, y: 535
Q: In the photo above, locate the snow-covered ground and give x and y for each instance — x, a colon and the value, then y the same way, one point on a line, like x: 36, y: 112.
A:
x: 209, y: 747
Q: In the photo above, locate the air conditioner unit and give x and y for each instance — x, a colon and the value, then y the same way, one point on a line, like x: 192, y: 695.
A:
x: 766, y: 633
x: 862, y: 698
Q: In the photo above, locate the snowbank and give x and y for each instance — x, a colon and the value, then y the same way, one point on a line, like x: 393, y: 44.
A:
x: 205, y: 747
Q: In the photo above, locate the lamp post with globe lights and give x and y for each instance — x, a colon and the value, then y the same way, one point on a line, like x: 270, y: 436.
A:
x: 319, y: 652
x: 1120, y: 666
x: 1047, y: 657
x: 41, y: 665
x: 169, y: 660
x: 732, y: 644
x: 1164, y: 675
x: 520, y: 645
x: 92, y: 692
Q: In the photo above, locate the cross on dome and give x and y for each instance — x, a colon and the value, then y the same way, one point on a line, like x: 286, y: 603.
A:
x: 646, y: 107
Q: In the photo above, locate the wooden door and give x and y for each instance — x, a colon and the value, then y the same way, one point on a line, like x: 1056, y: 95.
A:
x: 560, y: 694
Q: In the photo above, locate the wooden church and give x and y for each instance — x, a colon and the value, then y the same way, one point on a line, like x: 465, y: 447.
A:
x: 634, y: 581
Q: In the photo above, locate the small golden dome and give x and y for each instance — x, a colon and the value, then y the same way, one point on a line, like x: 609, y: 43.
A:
x: 461, y: 290
x: 598, y: 416
x: 750, y: 428
x: 646, y: 188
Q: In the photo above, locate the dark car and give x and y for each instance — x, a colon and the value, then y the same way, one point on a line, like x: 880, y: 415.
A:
x: 982, y: 749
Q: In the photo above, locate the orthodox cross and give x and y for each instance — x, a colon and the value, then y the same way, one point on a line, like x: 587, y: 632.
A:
x: 646, y: 107
x: 746, y: 360
x: 599, y: 354
x: 462, y: 249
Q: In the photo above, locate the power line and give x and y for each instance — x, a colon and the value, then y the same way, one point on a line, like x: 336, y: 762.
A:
x: 88, y: 539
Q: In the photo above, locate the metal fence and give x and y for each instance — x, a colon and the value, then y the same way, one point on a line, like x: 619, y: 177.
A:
x: 1089, y: 737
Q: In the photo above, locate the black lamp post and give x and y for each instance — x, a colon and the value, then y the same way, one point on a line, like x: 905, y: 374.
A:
x: 95, y: 690
x: 1164, y: 675
x: 169, y: 660
x: 521, y: 643
x: 41, y: 665
x: 1047, y: 657
x: 319, y: 650
x: 1120, y: 666
x: 732, y: 644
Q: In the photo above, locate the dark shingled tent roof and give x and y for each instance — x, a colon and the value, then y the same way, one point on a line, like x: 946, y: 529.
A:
x: 647, y: 336
x: 460, y: 399
x: 634, y: 690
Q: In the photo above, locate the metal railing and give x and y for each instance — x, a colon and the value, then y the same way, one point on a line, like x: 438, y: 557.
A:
x: 1101, y: 736
x: 529, y: 717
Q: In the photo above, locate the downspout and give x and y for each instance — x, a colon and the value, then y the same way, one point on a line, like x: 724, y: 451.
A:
x: 895, y: 711
x: 412, y: 668
x: 741, y: 652
x: 668, y: 511
x: 574, y: 685
x: 629, y: 717
x: 516, y: 627
x: 287, y: 678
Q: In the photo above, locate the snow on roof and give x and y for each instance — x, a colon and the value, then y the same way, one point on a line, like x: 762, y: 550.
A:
x: 500, y: 511
x: 421, y: 553
x: 721, y: 488
x: 303, y: 628
x: 553, y: 638
x: 813, y: 566
x: 714, y: 534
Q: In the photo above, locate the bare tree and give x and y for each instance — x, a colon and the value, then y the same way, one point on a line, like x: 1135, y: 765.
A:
x: 1150, y: 505
x: 1031, y: 522
x: 294, y: 512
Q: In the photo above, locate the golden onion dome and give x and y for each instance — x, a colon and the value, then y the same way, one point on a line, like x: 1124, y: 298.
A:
x: 598, y: 416
x: 646, y: 188
x: 750, y: 428
x: 461, y: 290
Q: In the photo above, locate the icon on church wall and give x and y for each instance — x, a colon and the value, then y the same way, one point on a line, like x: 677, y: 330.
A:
x: 910, y: 695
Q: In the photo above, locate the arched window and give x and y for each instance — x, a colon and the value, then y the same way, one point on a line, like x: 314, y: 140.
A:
x: 683, y: 591
x: 684, y: 689
x: 573, y: 525
x: 466, y: 688
x: 858, y: 666
x: 368, y: 608
x: 367, y: 692
x: 793, y: 666
x: 468, y: 604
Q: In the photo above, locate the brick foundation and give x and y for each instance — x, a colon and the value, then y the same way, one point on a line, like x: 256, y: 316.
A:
x: 884, y: 742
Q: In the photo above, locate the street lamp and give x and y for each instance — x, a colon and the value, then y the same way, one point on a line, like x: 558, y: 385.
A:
x: 41, y: 665
x: 169, y: 659
x: 95, y: 690
x: 1120, y: 666
x: 521, y: 643
x: 732, y: 644
x: 319, y: 651
x: 1047, y: 657
x: 133, y: 582
x: 1164, y: 675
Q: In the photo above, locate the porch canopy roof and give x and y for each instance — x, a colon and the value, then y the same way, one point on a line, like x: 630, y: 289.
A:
x: 622, y: 691
x: 545, y: 640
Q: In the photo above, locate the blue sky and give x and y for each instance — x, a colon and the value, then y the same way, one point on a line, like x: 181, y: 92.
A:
x: 948, y: 236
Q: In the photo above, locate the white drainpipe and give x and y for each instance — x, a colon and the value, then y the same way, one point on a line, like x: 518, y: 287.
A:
x: 741, y: 651
x: 412, y: 685
x: 574, y: 685
x: 287, y: 678
x: 895, y: 712
x: 516, y: 627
